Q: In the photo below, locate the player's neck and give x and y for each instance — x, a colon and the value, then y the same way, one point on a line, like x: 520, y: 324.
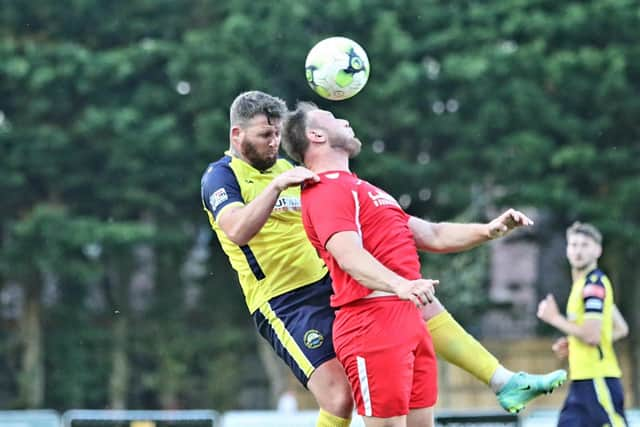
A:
x: 236, y: 153
x: 329, y: 162
x: 578, y: 273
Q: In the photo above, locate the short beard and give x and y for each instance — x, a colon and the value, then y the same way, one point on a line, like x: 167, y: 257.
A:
x: 351, y: 145
x: 357, y: 146
x: 254, y: 158
x: 584, y: 267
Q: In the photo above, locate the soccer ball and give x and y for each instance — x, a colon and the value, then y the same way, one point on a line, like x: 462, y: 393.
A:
x: 337, y: 68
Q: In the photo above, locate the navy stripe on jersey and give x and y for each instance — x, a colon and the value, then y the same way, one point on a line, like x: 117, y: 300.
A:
x: 253, y: 262
x: 219, y: 186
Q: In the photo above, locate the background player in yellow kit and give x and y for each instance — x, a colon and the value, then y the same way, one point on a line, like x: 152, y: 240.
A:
x: 592, y: 324
x: 252, y: 199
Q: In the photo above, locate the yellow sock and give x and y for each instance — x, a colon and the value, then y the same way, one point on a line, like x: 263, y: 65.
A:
x: 326, y: 419
x: 456, y: 346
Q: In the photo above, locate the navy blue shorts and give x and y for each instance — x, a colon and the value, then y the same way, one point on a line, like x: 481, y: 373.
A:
x: 298, y: 325
x: 594, y: 403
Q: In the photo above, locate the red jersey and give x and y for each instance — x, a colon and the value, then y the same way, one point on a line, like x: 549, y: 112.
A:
x: 343, y: 202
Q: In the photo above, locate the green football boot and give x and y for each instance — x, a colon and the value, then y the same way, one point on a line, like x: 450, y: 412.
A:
x: 523, y: 387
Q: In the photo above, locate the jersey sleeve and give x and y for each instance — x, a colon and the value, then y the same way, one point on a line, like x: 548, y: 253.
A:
x: 329, y: 208
x: 219, y: 188
x: 593, y: 295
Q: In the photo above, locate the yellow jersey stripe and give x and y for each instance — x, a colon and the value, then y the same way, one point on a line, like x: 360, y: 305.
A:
x: 285, y: 338
x: 604, y: 397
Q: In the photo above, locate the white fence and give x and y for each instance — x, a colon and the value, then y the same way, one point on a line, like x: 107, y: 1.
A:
x: 273, y: 418
x: 43, y: 418
x: 209, y: 418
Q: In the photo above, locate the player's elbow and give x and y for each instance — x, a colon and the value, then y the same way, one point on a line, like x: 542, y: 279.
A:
x: 591, y: 338
x: 346, y: 264
x: 240, y: 241
x: 432, y: 243
x: 622, y: 331
x: 346, y: 249
x: 349, y: 263
x: 238, y: 236
x: 592, y: 342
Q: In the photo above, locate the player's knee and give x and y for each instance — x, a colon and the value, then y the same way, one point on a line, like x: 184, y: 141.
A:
x: 343, y: 399
x: 331, y: 388
x: 339, y: 404
x: 337, y: 399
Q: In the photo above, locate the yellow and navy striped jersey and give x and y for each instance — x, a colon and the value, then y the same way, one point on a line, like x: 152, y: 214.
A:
x: 592, y: 297
x: 279, y: 258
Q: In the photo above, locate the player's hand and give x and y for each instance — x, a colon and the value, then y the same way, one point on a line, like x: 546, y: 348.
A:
x: 506, y: 222
x: 295, y: 176
x: 420, y: 292
x: 548, y: 309
x: 561, y: 348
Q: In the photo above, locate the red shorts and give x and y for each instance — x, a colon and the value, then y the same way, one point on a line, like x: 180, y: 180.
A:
x: 388, y: 356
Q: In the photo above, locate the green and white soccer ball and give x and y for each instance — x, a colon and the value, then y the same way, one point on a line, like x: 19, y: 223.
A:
x: 337, y: 68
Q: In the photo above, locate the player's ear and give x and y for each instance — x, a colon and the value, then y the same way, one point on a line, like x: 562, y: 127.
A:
x: 235, y: 131
x: 598, y: 250
x: 316, y: 136
x: 235, y: 134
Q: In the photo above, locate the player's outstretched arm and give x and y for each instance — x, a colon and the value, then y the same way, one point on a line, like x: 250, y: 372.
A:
x: 241, y: 223
x: 445, y: 237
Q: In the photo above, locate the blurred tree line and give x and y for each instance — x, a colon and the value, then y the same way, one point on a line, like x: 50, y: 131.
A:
x: 113, y: 292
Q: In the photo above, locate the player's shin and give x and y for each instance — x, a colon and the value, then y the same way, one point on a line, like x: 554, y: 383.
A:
x: 459, y: 348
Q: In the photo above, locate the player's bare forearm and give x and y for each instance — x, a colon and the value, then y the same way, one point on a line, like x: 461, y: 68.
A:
x: 241, y: 224
x: 445, y: 237
x: 588, y: 332
x: 353, y: 259
x: 345, y: 247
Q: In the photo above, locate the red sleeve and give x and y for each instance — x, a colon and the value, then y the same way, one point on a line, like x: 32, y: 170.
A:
x: 328, y: 208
